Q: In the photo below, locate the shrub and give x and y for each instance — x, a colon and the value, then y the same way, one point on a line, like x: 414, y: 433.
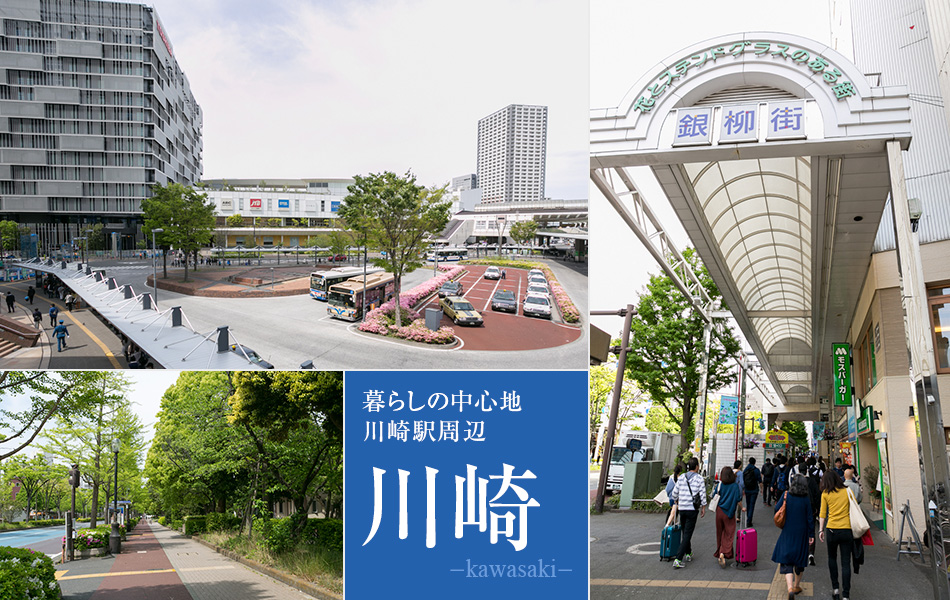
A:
x: 275, y: 534
x: 162, y: 520
x: 46, y: 522
x: 175, y: 524
x: 130, y: 523
x: 87, y: 539
x: 26, y: 574
x: 382, y: 321
x: 195, y: 524
x: 221, y: 522
x: 327, y: 533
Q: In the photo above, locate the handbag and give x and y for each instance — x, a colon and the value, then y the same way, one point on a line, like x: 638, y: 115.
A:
x: 715, y: 499
x: 859, y: 523
x: 866, y: 539
x: 697, y: 499
x: 779, y: 517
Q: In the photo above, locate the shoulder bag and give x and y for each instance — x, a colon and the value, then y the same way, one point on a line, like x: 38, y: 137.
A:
x: 859, y: 523
x: 715, y: 499
x: 779, y: 517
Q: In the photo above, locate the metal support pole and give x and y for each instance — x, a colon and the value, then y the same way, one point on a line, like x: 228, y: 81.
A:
x: 931, y: 448
x: 740, y: 416
x: 703, y: 393
x: 627, y: 314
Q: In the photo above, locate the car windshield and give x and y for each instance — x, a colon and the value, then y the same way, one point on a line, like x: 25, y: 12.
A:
x: 451, y: 285
x: 621, y: 455
x: 491, y: 270
x: 462, y: 306
x: 536, y: 300
x: 538, y: 289
x: 504, y: 295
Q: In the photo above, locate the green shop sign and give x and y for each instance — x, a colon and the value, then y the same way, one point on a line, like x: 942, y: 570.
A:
x: 866, y: 420
x: 815, y: 64
x: 841, y: 355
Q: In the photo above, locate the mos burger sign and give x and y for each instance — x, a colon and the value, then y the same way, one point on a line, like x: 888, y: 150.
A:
x: 776, y: 437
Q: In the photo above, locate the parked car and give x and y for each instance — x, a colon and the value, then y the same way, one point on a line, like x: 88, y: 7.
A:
x: 253, y: 356
x: 460, y: 311
x: 450, y: 288
x: 538, y: 288
x: 537, y: 305
x: 535, y: 279
x: 337, y: 258
x: 535, y: 272
x: 504, y: 300
x: 492, y: 273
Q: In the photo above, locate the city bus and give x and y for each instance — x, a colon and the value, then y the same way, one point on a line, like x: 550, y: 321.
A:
x: 448, y: 254
x: 320, y: 281
x: 345, y: 299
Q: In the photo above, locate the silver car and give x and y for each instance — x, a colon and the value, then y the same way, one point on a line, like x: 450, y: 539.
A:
x: 537, y: 305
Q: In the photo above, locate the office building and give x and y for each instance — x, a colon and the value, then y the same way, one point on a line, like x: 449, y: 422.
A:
x: 512, y: 146
x: 94, y: 110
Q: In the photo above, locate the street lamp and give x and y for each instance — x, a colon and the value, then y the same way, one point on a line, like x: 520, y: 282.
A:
x: 155, y: 267
x: 82, y: 246
x: 500, y: 221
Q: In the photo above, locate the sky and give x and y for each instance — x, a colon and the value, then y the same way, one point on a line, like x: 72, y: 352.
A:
x: 310, y: 88
x: 627, y: 40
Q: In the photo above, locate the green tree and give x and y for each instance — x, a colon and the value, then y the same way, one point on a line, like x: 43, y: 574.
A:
x: 399, y: 217
x: 667, y: 346
x: 522, y: 231
x: 185, y: 216
x: 234, y: 220
x: 85, y: 438
x: 95, y: 235
x: 602, y: 378
x: 32, y: 475
x: 10, y: 232
x: 797, y: 435
x: 338, y: 241
x: 40, y: 395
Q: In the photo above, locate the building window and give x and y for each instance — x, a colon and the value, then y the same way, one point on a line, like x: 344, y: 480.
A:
x: 867, y: 362
x: 938, y: 300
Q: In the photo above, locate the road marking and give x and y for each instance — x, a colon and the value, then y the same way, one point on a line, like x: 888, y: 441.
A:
x: 60, y: 577
x: 92, y: 336
x: 695, y: 583
x: 637, y: 549
x: 779, y: 589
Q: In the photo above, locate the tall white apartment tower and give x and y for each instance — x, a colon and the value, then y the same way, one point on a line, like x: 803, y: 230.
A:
x: 512, y: 146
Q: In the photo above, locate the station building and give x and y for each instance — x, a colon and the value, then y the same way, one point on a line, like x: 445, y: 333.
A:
x: 94, y: 110
x: 813, y: 182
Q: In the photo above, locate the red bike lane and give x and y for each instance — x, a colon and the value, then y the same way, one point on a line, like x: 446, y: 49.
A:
x: 142, y: 571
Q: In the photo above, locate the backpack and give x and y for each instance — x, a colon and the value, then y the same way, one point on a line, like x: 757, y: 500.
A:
x: 751, y: 477
x: 781, y: 478
x: 767, y: 471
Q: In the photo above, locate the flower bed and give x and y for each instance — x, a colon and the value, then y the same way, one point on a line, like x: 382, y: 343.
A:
x: 563, y: 300
x: 91, y: 539
x: 382, y: 321
x: 25, y: 574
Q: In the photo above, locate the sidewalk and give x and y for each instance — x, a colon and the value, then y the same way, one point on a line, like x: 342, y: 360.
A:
x: 624, y: 558
x: 159, y: 564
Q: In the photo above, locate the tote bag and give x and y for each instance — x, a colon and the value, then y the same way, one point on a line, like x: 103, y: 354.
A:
x: 715, y: 500
x: 859, y: 523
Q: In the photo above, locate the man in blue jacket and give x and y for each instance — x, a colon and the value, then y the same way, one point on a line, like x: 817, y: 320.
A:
x: 61, y: 334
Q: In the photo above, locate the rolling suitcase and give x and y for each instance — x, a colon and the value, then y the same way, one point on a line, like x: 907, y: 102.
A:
x: 670, y: 542
x: 747, y: 546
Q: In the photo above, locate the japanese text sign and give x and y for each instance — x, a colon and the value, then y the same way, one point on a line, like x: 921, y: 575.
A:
x: 466, y: 484
x: 728, y: 410
x: 694, y: 126
x: 785, y: 120
x: 739, y: 123
x: 841, y: 364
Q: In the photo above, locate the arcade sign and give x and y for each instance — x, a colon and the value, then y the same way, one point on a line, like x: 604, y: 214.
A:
x: 841, y: 357
x: 815, y: 64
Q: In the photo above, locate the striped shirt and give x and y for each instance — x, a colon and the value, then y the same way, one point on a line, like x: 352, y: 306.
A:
x: 682, y: 494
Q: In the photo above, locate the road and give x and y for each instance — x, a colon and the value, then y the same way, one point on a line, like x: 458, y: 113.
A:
x: 48, y: 540
x: 287, y: 331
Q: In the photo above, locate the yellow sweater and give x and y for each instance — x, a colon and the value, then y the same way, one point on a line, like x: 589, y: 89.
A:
x: 835, y: 508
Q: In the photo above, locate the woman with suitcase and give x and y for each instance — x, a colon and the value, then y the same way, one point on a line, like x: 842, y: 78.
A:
x: 791, y: 549
x: 730, y: 502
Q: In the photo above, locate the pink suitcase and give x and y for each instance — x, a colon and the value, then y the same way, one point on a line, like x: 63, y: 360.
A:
x: 747, y: 547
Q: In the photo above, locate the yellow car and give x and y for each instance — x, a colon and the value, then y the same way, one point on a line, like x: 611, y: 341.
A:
x: 460, y: 311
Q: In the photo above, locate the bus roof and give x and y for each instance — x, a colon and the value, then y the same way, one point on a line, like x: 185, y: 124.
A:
x: 355, y: 284
x: 346, y: 271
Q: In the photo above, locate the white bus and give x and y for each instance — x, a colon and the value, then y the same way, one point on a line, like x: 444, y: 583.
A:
x: 320, y: 281
x: 448, y: 254
x: 345, y: 300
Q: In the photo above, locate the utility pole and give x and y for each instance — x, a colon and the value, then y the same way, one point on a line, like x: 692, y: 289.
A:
x: 627, y: 313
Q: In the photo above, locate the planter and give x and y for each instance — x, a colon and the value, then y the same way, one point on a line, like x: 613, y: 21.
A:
x: 92, y: 552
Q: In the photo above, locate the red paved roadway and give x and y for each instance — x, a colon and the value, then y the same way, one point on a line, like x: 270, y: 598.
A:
x: 142, y: 552
x: 502, y: 330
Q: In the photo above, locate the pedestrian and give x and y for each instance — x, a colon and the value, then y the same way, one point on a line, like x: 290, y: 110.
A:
x: 737, y: 468
x: 37, y: 318
x: 689, y: 495
x: 767, y: 469
x: 835, y: 517
x: 838, y: 469
x: 730, y: 502
x: 780, y: 476
x: 677, y: 471
x: 70, y: 301
x: 751, y: 479
x: 30, y: 292
x: 61, y: 334
x: 814, y: 494
x: 852, y: 484
x: 791, y: 549
x: 10, y: 300
x: 504, y: 274
x: 53, y: 313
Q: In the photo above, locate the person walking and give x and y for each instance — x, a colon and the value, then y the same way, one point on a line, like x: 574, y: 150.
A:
x: 815, y: 472
x: 730, y: 503
x: 737, y: 468
x: 780, y: 476
x: 767, y: 469
x: 751, y: 478
x: 30, y: 292
x: 37, y: 318
x: 838, y: 469
x: 689, y: 496
x: 852, y: 484
x: 10, y: 300
x: 70, y: 301
x: 53, y: 313
x: 791, y: 549
x: 61, y: 333
x: 677, y: 471
x: 835, y: 517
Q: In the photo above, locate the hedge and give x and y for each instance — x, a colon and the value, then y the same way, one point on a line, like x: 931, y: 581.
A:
x: 221, y: 522
x: 195, y: 524
x: 325, y: 532
x: 26, y: 574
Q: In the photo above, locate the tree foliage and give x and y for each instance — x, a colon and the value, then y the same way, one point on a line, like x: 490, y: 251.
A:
x: 10, y: 231
x: 796, y: 434
x: 31, y: 475
x: 184, y: 214
x: 602, y: 379
x: 235, y: 220
x: 397, y: 217
x: 666, y: 348
x: 522, y: 231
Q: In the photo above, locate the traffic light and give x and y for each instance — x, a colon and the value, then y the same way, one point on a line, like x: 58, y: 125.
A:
x: 74, y: 476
